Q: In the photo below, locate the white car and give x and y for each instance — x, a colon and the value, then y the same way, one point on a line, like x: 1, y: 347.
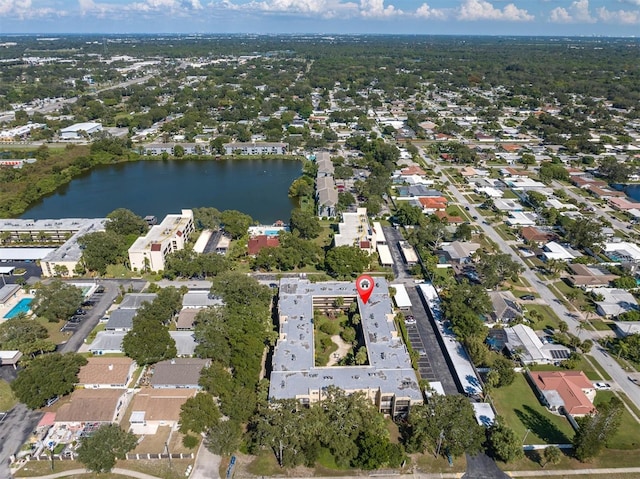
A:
x: 602, y: 386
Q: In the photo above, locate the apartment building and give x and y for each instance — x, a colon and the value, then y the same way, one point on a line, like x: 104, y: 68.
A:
x: 149, y: 252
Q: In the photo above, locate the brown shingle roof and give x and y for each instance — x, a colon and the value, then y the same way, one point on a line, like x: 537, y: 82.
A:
x: 161, y: 404
x: 186, y: 318
x: 90, y: 405
x: 178, y: 372
x: 105, y: 371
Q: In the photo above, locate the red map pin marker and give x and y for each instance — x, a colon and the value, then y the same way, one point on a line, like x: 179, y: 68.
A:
x: 364, y: 285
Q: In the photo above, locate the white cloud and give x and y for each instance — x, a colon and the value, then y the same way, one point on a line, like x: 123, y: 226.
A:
x: 315, y: 8
x: 376, y: 9
x: 483, y: 10
x: 625, y: 17
x: 425, y: 11
x: 577, y: 12
x: 172, y: 6
x: 23, y: 9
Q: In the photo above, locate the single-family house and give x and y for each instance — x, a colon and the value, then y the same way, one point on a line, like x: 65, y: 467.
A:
x: 569, y: 392
x: 615, y: 302
x: 110, y: 373
x: 152, y: 408
x: 459, y: 251
x: 120, y: 320
x: 589, y: 276
x: 533, y: 234
x: 505, y: 307
x: 553, y: 250
x: 522, y: 342
x: 92, y: 406
x: 178, y: 373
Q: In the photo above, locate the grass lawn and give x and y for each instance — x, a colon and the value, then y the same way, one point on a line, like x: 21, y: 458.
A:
x: 628, y: 435
x: 590, y: 371
x: 154, y: 443
x: 608, y: 458
x: 326, y: 233
x: 522, y: 411
x: 429, y: 463
x: 550, y: 319
x: 264, y: 464
x: 7, y: 399
x: 55, y: 335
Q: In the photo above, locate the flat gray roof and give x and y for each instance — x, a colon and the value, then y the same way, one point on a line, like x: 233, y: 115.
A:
x: 22, y: 254
x: 294, y: 371
x: 7, y: 291
x: 70, y: 250
x: 121, y: 319
x: 135, y: 300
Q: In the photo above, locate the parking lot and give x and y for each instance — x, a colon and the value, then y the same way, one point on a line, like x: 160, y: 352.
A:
x: 424, y: 365
x: 84, y: 312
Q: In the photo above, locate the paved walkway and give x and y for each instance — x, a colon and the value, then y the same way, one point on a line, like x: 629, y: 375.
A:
x: 115, y: 470
x: 206, y: 465
x: 614, y: 472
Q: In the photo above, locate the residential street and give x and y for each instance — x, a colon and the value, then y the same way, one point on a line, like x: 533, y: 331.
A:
x: 609, y: 365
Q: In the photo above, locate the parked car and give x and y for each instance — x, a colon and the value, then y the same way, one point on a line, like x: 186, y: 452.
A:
x: 527, y: 297
x: 602, y: 386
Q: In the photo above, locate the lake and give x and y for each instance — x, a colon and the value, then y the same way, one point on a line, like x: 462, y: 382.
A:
x: 632, y: 191
x: 257, y: 187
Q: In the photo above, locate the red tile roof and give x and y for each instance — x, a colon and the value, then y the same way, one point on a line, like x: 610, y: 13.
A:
x: 262, y: 241
x: 433, y: 202
x: 450, y: 219
x: 412, y: 170
x: 570, y: 386
x: 531, y: 233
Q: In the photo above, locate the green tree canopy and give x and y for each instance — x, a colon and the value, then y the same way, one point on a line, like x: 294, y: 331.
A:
x: 206, y: 218
x: 124, y: 222
x: 46, y: 377
x: 502, y: 442
x: 101, y: 249
x: 56, y: 301
x: 26, y: 335
x: 346, y: 261
x: 148, y: 342
x: 198, y: 414
x: 445, y: 420
x: 307, y: 224
x: 596, y: 429
x: 108, y: 443
x: 235, y: 222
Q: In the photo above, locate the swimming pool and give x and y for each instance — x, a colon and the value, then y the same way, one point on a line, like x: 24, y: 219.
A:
x: 22, y: 307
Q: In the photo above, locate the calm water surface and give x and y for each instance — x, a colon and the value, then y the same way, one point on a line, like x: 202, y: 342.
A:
x: 256, y: 187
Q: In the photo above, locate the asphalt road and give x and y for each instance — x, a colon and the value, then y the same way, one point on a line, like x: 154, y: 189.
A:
x: 92, y: 318
x: 14, y: 431
x: 619, y: 375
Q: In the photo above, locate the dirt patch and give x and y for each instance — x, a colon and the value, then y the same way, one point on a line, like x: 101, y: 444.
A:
x: 343, y: 350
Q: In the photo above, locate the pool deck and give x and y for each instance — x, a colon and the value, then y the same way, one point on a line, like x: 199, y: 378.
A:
x: 11, y: 304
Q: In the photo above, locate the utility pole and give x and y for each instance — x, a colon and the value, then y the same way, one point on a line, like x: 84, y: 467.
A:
x: 440, y: 438
x: 166, y: 447
x: 525, y: 435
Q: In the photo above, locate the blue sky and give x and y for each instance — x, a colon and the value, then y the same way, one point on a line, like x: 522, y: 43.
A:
x: 470, y: 17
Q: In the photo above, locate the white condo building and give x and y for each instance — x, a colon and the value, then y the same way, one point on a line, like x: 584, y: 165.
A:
x: 150, y: 251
